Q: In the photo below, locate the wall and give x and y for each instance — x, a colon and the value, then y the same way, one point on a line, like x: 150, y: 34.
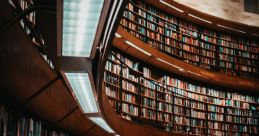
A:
x: 227, y: 9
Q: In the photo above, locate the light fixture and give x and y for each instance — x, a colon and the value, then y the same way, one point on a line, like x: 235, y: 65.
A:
x: 171, y: 6
x: 117, y: 35
x: 169, y: 64
x: 136, y: 47
x: 231, y: 28
x: 101, y: 123
x: 80, y: 21
x: 81, y: 86
x: 204, y: 20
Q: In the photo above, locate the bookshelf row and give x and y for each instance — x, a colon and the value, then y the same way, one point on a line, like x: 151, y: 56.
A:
x: 191, y: 43
x: 28, y: 23
x: 177, y: 105
x: 23, y: 124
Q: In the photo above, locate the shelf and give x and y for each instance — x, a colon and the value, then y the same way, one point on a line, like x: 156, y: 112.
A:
x: 168, y: 99
x: 137, y: 20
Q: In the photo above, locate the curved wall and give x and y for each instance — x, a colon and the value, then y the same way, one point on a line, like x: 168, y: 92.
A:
x: 232, y: 10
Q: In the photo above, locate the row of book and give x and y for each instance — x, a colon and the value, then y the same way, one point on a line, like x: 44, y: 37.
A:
x: 128, y: 97
x: 182, y: 87
x: 149, y: 102
x: 163, y: 116
x: 112, y: 92
x: 130, y: 109
x: 19, y: 124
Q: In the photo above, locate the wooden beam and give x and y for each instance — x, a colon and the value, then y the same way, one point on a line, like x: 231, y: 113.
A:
x: 41, y: 90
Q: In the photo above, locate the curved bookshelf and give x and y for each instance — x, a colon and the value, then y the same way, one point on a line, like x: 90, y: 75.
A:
x: 174, y: 65
x: 191, y: 43
x: 164, y: 101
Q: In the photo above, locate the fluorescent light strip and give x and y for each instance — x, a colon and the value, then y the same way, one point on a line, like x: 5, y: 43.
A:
x: 169, y: 63
x: 101, y: 123
x: 117, y: 35
x: 136, y: 47
x: 231, y: 28
x: 204, y: 20
x: 80, y: 22
x: 171, y: 6
x: 81, y: 86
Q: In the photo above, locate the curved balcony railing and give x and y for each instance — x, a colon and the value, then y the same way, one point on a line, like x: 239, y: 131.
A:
x: 180, y: 108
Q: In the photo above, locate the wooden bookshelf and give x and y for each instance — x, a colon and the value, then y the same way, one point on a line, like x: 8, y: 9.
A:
x: 30, y: 27
x: 174, y: 103
x: 175, y: 65
x: 18, y: 120
x: 192, y: 43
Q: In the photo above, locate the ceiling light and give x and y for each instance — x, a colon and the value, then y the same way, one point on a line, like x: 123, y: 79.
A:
x: 204, y: 20
x: 101, y: 123
x: 136, y: 47
x: 80, y: 21
x: 171, y: 6
x: 81, y: 86
x: 231, y: 28
x: 169, y: 64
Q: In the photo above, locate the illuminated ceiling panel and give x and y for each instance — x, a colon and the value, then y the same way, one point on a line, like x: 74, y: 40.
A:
x: 80, y: 21
x: 81, y: 86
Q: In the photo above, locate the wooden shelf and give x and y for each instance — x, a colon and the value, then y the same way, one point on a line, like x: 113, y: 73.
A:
x: 201, y: 74
x: 152, y: 28
x: 182, y: 107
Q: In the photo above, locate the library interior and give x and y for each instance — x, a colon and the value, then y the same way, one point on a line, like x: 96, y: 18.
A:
x: 129, y: 67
